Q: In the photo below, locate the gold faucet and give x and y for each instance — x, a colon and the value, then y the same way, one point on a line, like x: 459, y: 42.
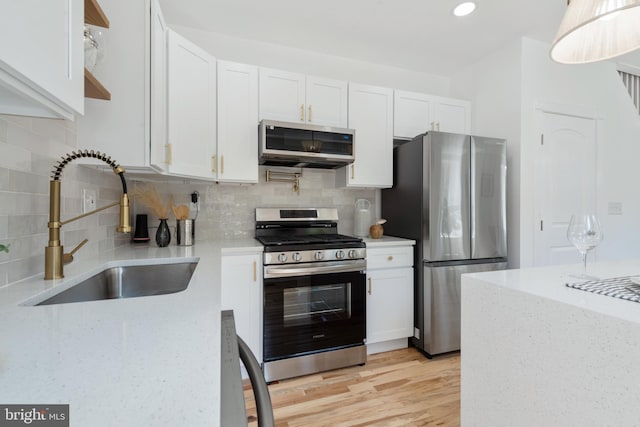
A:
x: 54, y: 256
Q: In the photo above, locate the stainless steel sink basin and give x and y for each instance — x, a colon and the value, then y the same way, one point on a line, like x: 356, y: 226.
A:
x: 128, y: 282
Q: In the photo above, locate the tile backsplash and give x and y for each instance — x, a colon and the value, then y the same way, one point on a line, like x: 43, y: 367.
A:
x: 29, y: 149
x: 227, y: 211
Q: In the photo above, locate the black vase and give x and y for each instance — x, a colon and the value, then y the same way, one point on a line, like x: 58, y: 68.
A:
x: 163, y: 235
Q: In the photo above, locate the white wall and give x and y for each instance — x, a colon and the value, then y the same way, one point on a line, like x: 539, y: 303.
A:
x: 507, y: 90
x: 297, y: 60
x: 493, y: 86
x: 594, y: 89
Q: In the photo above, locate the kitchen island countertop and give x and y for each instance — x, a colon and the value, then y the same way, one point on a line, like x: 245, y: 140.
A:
x: 129, y: 362
x: 536, y: 352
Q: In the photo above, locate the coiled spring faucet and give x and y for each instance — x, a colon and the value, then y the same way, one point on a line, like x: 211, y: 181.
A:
x: 54, y: 256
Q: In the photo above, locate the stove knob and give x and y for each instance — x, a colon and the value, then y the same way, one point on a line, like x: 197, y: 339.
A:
x: 282, y: 257
x: 318, y: 256
x: 353, y: 253
x: 297, y: 256
x: 340, y: 255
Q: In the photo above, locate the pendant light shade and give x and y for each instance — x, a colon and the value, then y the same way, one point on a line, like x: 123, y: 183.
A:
x: 593, y: 30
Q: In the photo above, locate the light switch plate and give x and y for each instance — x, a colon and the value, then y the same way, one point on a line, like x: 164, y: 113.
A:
x: 614, y: 208
x: 88, y: 200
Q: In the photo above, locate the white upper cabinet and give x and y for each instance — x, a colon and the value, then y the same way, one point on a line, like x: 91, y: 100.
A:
x: 371, y: 115
x: 237, y: 154
x: 282, y: 95
x: 158, y: 94
x: 416, y: 113
x: 452, y: 115
x: 412, y: 113
x: 42, y: 60
x: 134, y: 70
x: 326, y: 102
x: 293, y: 97
x: 191, y: 109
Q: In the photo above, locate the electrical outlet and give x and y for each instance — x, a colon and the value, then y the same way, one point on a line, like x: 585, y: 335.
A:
x: 88, y: 200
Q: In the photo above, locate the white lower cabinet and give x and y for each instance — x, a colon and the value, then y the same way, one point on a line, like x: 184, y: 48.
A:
x: 389, y: 294
x: 242, y: 293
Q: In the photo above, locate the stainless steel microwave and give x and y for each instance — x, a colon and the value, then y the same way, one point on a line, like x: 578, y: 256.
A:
x: 305, y: 146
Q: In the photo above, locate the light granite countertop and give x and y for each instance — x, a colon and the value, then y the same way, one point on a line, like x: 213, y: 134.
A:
x: 538, y: 353
x: 128, y: 362
x: 387, y: 241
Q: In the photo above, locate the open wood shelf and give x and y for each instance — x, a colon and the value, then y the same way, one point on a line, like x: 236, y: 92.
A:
x: 94, y: 15
x: 93, y: 88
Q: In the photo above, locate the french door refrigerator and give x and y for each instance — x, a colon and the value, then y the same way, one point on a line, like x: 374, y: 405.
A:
x: 449, y: 195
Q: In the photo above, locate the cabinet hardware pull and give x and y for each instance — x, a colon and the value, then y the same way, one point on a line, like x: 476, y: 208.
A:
x: 302, y: 112
x: 369, y: 291
x: 310, y: 112
x: 390, y: 258
x: 222, y: 164
x: 353, y: 171
x: 255, y: 271
x: 213, y: 163
x: 169, y: 154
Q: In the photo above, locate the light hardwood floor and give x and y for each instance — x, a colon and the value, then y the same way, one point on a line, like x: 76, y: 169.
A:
x: 396, y: 388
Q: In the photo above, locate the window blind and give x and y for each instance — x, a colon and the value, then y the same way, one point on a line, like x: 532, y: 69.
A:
x: 632, y: 83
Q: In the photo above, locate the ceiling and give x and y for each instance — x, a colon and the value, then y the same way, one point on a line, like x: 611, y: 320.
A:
x: 421, y: 35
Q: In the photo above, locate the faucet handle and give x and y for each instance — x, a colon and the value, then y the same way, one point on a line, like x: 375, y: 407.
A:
x: 67, y: 258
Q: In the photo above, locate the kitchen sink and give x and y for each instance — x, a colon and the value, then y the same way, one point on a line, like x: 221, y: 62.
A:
x: 128, y: 282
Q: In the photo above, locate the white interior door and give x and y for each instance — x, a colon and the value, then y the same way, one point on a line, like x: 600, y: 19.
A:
x: 565, y: 183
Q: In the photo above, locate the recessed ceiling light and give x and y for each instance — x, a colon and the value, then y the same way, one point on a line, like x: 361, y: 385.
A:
x: 464, y: 9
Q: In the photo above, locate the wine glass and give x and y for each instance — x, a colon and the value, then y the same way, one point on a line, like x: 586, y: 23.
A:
x: 584, y: 233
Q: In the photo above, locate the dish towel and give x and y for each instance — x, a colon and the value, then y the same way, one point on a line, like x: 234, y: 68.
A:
x: 618, y: 287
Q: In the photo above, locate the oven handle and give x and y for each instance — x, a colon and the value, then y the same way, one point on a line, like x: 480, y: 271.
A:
x: 324, y: 268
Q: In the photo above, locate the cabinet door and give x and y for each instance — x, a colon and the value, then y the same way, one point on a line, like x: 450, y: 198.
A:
x: 371, y: 115
x: 42, y: 60
x: 237, y: 158
x: 389, y: 304
x: 191, y: 108
x: 242, y: 293
x: 452, y: 115
x: 282, y: 96
x: 411, y: 114
x: 326, y: 102
x: 158, y: 119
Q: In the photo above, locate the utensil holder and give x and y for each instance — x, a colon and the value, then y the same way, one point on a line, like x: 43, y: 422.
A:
x: 185, y: 232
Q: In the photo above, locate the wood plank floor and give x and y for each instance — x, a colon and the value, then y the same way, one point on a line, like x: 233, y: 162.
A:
x: 396, y: 388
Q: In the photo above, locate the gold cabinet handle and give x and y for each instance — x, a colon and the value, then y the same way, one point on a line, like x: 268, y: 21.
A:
x: 302, y: 112
x: 353, y: 171
x: 214, y: 163
x: 255, y: 271
x: 390, y: 258
x: 310, y: 113
x: 369, y: 291
x: 169, y: 154
x: 222, y: 165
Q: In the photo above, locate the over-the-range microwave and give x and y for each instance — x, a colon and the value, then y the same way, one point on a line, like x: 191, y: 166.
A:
x: 304, y: 145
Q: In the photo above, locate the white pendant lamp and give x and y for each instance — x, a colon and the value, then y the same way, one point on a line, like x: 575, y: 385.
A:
x: 593, y: 30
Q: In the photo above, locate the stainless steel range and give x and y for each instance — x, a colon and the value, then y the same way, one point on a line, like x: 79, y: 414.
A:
x: 314, y: 292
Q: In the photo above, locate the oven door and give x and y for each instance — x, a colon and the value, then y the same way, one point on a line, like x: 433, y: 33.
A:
x: 313, y: 313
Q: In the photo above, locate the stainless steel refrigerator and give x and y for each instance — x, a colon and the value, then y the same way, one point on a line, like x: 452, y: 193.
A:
x: 449, y: 195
